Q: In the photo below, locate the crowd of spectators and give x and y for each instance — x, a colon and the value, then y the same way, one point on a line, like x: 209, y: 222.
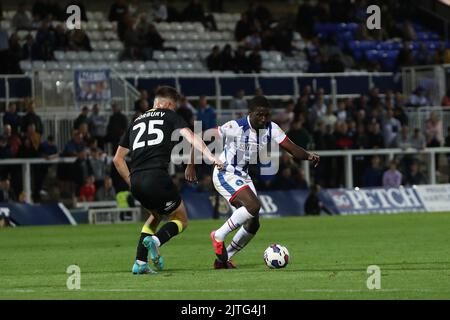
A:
x: 312, y: 122
x: 258, y: 29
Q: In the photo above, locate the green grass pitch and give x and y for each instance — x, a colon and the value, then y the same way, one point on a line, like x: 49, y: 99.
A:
x: 329, y: 260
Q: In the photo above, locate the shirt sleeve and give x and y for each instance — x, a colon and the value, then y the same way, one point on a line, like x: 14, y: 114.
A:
x: 278, y: 135
x: 228, y: 129
x: 125, y: 139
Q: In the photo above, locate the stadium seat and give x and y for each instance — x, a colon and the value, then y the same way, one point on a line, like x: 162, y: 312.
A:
x: 97, y: 56
x: 84, y: 56
x: 151, y: 66
x: 111, y: 55
x: 71, y: 55
x: 25, y: 65
x: 59, y: 55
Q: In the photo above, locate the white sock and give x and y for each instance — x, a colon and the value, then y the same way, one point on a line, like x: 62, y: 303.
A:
x: 240, y: 240
x: 235, y: 221
x: 158, y: 243
x: 140, y: 262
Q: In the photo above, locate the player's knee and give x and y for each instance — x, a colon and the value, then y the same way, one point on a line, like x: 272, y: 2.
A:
x: 254, y: 207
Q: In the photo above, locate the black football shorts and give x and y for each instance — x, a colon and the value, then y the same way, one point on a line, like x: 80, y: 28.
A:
x: 155, y: 190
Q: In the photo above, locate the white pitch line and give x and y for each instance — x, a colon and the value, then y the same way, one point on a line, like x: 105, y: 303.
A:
x: 231, y: 290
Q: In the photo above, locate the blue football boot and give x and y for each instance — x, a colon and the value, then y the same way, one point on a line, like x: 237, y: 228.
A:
x: 158, y: 260
x: 142, y: 269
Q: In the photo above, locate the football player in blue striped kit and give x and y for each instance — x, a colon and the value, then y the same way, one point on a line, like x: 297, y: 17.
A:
x: 244, y: 138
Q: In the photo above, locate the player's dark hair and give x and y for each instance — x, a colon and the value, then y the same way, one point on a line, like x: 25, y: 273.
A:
x: 168, y: 92
x: 258, y: 101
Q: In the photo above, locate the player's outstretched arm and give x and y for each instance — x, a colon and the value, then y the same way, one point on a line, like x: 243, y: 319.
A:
x: 299, y: 152
x: 198, y: 144
x: 189, y: 174
x: 121, y: 164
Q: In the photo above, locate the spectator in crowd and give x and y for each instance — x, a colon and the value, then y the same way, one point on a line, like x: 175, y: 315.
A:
x: 392, y: 178
x: 79, y: 41
x: 313, y: 206
x: 81, y: 170
x: 27, y: 150
x: 6, y: 192
x: 206, y: 114
x: 98, y: 165
x: 5, y: 148
x: 97, y: 125
x: 82, y: 118
x: 342, y: 114
x: 214, y: 59
x: 418, y: 141
x: 194, y: 12
x: 434, y: 130
x: 299, y: 135
x: 318, y: 109
x: 285, y: 118
x: 373, y: 175
x: 12, y: 118
x: 446, y: 99
x: 33, y: 136
x: 12, y: 139
x: 84, y: 131
x: 32, y: 118
x: 87, y: 191
x: 285, y: 180
x: 305, y: 19
x: 329, y: 118
x: 143, y: 96
x: 375, y: 138
x: 74, y: 145
x: 47, y: 150
x: 255, y: 61
x: 61, y: 39
x: 159, y: 11
x: 106, y: 192
x: 238, y: 101
x: 391, y: 127
x: 117, y: 10
x: 405, y: 56
x: 4, y: 47
x: 243, y: 28
x: 153, y: 41
x: 418, y: 98
x: 300, y: 179
x: 227, y: 59
x: 414, y: 176
x: 21, y: 20
x: 402, y: 140
x: 186, y: 111
x: 240, y: 60
x: 117, y: 125
x: 45, y: 41
x: 30, y: 51
x: 252, y: 41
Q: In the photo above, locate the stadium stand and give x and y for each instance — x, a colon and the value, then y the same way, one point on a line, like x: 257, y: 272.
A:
x: 347, y: 109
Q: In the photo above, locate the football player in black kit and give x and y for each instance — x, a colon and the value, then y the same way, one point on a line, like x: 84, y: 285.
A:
x: 148, y: 140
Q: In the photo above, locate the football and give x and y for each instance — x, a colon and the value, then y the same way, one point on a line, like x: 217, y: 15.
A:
x: 276, y: 256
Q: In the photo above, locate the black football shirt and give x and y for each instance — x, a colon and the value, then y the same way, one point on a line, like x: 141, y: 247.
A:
x: 149, y: 139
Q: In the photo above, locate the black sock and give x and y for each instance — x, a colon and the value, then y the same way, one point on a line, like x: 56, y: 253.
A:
x: 167, y: 231
x: 142, y: 252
